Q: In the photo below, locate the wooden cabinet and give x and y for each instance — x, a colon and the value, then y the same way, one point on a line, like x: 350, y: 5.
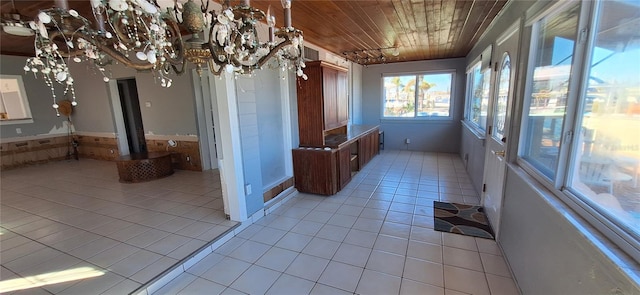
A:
x: 326, y: 171
x: 329, y: 151
x: 316, y: 171
x: 322, y: 102
x: 368, y: 147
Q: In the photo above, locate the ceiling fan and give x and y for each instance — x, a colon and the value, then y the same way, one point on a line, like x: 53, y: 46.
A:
x: 15, y: 23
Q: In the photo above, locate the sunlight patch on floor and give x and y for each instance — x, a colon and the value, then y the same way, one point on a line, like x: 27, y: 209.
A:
x: 49, y: 279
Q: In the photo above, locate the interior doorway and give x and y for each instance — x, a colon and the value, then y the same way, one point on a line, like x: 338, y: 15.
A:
x: 132, y: 116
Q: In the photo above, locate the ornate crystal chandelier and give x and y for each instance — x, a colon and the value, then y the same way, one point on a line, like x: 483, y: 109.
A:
x: 139, y: 35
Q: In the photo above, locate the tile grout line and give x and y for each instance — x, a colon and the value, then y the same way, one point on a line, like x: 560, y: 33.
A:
x: 181, y: 267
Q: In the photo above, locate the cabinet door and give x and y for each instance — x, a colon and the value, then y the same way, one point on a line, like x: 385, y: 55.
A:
x: 330, y: 97
x: 342, y: 99
x: 344, y: 166
x: 322, y: 179
x: 375, y: 135
x: 363, y: 150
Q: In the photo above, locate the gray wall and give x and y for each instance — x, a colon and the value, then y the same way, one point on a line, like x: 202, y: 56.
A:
x: 94, y: 112
x: 546, y: 251
x: 425, y: 135
x: 472, y: 152
x: 247, y: 93
x: 40, y: 101
x: 172, y: 109
x: 270, y: 129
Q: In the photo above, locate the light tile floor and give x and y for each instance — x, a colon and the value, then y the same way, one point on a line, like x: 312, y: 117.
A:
x: 374, y: 237
x: 70, y: 219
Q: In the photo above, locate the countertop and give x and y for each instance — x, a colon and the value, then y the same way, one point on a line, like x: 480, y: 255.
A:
x: 353, y: 133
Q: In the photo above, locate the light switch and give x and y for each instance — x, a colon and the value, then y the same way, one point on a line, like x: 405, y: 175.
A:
x: 147, y: 104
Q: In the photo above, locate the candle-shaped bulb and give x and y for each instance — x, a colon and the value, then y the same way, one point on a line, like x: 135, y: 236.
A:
x: 286, y: 4
x: 271, y: 20
x: 62, y: 4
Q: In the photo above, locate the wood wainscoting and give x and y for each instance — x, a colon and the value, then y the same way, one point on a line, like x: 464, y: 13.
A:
x: 276, y: 190
x: 184, y: 156
x: 35, y: 150
x: 18, y: 152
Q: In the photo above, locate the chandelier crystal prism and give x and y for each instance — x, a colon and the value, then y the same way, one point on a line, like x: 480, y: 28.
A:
x: 140, y: 35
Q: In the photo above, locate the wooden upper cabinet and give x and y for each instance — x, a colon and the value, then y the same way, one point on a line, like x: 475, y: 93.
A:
x: 342, y: 99
x: 322, y: 102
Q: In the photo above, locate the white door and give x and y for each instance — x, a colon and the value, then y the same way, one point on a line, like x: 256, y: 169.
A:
x: 504, y: 56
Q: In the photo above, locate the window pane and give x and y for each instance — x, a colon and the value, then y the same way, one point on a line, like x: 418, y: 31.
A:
x: 500, y: 113
x: 399, y: 96
x: 13, y: 101
x: 475, y: 95
x: 607, y: 157
x: 547, y: 102
x: 484, y: 103
x: 478, y: 96
x: 431, y: 93
x: 434, y: 95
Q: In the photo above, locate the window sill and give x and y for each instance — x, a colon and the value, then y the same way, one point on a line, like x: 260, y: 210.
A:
x: 417, y: 119
x: 479, y: 133
x: 16, y: 121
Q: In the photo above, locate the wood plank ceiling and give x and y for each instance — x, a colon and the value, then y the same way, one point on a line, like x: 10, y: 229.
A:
x: 419, y: 29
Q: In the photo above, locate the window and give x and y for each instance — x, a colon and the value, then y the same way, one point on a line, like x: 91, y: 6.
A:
x: 417, y: 95
x: 14, y: 106
x: 548, y: 86
x: 581, y: 118
x: 606, y: 154
x: 478, y: 96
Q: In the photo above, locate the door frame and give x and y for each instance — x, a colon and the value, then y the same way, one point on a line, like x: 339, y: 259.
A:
x: 514, y: 58
x: 206, y: 107
x: 118, y: 118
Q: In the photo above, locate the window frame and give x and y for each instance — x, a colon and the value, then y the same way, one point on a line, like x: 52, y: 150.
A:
x: 25, y: 102
x: 483, y: 60
x: 452, y: 94
x: 559, y: 186
x: 470, y: 75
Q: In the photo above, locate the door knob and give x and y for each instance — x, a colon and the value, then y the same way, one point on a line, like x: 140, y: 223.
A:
x: 500, y: 153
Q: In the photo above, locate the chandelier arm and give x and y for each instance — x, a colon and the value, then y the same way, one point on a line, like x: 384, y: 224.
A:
x: 118, y: 56
x: 68, y: 53
x: 175, y: 30
x: 118, y: 26
x: 211, y: 66
x: 214, y: 49
x: 273, y: 51
x: 178, y: 71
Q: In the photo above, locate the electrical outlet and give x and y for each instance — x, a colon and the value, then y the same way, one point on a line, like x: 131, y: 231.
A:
x: 19, y: 130
x: 407, y: 141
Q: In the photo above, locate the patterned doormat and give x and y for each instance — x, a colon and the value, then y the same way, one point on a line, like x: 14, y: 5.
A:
x: 461, y: 219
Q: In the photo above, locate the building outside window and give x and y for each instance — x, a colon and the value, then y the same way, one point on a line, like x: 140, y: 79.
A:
x: 423, y: 95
